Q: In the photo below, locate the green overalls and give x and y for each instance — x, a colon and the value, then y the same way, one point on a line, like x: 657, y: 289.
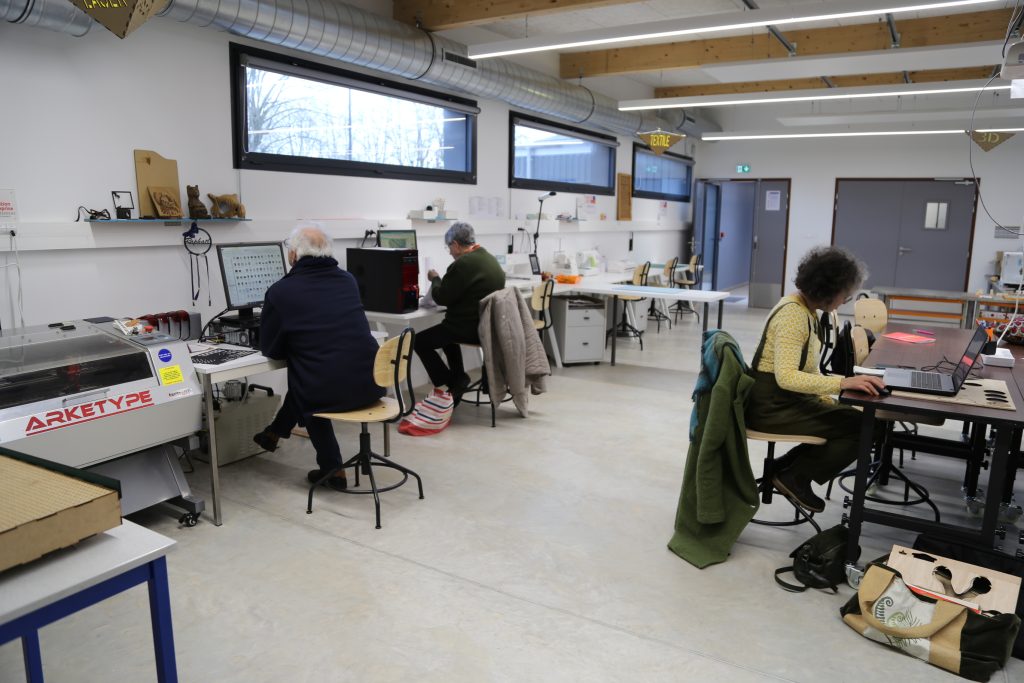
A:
x: 770, y: 408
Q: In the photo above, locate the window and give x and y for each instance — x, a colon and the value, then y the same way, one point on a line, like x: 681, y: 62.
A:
x: 293, y: 115
x: 935, y: 215
x: 661, y: 177
x: 547, y: 156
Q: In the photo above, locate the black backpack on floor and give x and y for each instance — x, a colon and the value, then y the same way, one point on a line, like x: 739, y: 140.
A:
x: 819, y: 562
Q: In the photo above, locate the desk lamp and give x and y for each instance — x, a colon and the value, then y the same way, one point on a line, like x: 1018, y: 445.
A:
x: 540, y: 209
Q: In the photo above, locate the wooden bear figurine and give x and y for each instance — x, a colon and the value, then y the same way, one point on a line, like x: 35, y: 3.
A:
x: 196, y: 208
x: 226, y: 206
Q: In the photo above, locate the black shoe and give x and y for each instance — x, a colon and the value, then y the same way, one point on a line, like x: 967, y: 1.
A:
x: 338, y: 482
x: 798, y: 491
x: 458, y: 387
x: 266, y: 440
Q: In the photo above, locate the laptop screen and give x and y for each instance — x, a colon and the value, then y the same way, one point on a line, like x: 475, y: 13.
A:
x: 970, y: 357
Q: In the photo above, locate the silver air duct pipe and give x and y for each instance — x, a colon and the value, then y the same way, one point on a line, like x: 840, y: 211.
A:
x: 56, y: 15
x: 354, y: 36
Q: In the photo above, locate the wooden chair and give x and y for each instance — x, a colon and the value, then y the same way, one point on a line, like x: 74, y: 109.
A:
x: 688, y: 279
x: 540, y: 302
x: 390, y: 370
x: 771, y: 466
x: 870, y: 314
x: 657, y: 314
x: 624, y: 327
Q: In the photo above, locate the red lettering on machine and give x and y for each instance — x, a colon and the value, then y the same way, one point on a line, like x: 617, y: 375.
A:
x: 86, y: 412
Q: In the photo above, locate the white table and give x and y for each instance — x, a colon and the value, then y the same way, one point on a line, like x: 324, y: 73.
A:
x: 49, y: 589
x: 589, y: 285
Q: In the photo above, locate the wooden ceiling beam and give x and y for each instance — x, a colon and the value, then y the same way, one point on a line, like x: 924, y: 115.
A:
x: 437, y: 15
x: 930, y: 76
x: 970, y: 27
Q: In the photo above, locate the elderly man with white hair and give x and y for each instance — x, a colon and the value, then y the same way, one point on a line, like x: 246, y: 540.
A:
x: 313, y: 318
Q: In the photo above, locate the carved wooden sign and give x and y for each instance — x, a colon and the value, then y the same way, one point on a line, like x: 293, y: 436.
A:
x: 120, y: 17
x: 989, y: 141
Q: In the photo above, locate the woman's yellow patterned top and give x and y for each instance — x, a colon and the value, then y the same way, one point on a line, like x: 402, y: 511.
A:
x: 785, y: 337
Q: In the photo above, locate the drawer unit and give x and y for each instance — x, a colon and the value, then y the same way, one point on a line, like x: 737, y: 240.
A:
x: 579, y: 324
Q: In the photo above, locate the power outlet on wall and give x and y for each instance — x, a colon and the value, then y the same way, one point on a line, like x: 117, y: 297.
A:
x: 10, y: 229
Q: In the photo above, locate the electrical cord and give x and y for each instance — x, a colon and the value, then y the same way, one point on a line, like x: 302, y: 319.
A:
x: 94, y: 214
x: 13, y: 247
x: 202, y: 332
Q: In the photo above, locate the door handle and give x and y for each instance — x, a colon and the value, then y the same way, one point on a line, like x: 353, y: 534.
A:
x: 904, y: 250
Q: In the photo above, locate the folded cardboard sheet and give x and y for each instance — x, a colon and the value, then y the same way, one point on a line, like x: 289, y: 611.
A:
x: 43, y: 510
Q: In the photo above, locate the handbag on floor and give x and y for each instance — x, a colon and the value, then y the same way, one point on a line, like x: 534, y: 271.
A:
x: 946, y: 634
x: 818, y: 562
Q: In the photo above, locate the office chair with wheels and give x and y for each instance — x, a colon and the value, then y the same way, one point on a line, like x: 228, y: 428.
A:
x: 654, y: 312
x: 624, y: 327
x: 390, y: 370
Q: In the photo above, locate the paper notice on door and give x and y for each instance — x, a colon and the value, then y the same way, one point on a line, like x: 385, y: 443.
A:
x: 773, y: 200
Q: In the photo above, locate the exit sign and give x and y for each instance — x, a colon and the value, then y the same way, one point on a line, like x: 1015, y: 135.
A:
x: 742, y: 168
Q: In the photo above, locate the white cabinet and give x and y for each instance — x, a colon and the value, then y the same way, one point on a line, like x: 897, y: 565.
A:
x: 579, y: 324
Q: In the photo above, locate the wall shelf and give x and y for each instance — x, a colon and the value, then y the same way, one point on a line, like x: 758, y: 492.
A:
x: 167, y: 221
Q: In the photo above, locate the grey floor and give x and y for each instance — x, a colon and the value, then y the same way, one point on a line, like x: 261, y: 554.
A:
x: 538, y: 554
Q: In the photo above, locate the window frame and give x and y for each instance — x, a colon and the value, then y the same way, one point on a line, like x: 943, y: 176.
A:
x: 244, y: 159
x: 572, y: 131
x: 644, y: 194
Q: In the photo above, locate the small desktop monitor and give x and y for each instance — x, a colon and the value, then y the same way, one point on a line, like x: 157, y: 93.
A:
x: 248, y: 271
x: 396, y: 239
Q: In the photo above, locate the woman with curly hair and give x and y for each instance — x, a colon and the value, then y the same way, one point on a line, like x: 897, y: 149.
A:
x: 790, y: 395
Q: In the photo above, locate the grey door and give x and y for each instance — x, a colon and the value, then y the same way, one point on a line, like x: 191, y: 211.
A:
x: 705, y: 229
x: 735, y: 234
x: 771, y: 228
x: 910, y: 233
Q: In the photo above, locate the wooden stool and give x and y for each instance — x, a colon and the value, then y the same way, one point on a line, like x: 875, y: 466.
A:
x: 764, y: 483
x: 480, y: 386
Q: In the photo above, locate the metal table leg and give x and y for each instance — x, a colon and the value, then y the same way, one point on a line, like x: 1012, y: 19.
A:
x: 721, y: 303
x: 615, y: 322
x: 706, y: 309
x: 856, y: 516
x: 211, y: 431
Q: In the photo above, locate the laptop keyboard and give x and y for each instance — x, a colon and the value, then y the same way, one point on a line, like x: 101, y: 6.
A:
x: 219, y: 356
x: 925, y: 380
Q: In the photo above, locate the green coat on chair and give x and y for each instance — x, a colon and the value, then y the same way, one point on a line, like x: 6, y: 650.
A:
x: 719, y: 495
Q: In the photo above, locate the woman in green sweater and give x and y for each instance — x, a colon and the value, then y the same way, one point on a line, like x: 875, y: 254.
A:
x: 474, y: 274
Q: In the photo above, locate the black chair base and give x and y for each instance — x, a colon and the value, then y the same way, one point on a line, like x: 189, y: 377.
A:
x: 365, y: 460
x: 624, y: 329
x: 657, y: 316
x: 682, y: 307
x: 480, y: 387
x: 768, y: 491
x: 875, y: 474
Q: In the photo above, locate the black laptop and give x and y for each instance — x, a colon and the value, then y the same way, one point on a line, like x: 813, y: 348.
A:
x: 939, y: 383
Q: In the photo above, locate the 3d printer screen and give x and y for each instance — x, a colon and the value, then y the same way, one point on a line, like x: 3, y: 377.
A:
x: 249, y: 270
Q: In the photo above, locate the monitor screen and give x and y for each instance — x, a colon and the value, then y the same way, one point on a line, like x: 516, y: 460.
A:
x: 248, y: 271
x: 396, y: 239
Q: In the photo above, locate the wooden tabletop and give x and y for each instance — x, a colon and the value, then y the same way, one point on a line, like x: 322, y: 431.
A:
x: 949, y: 344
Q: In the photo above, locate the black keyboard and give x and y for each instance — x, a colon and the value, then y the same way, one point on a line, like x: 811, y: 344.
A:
x: 220, y: 356
x: 925, y: 380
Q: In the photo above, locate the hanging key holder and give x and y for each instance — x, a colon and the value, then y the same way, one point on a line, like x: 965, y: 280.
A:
x: 198, y: 244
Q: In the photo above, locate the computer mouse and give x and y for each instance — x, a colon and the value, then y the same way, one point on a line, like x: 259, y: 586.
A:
x: 884, y: 391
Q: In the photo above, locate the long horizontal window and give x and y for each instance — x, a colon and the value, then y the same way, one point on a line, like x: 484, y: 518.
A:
x: 292, y: 115
x: 667, y: 176
x: 547, y: 156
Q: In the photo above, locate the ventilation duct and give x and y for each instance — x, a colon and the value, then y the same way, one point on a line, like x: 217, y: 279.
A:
x: 354, y: 36
x: 56, y: 15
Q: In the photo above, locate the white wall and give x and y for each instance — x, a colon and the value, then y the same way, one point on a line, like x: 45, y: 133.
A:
x: 74, y: 109
x: 814, y: 164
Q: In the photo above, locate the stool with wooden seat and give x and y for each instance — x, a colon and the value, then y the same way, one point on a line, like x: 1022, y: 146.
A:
x: 687, y: 280
x: 654, y: 313
x: 480, y: 386
x: 764, y: 483
x: 624, y: 328
x: 540, y: 303
x: 390, y: 370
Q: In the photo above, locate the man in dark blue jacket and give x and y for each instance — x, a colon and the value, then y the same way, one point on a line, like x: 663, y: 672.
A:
x: 313, y: 319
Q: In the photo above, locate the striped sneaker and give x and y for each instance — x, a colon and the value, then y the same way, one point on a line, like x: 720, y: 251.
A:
x: 430, y: 416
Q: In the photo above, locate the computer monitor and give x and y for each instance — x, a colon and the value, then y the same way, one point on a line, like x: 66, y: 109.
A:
x: 396, y: 239
x: 248, y: 271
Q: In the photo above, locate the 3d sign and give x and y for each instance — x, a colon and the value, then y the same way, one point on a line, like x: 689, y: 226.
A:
x: 120, y: 17
x: 660, y: 141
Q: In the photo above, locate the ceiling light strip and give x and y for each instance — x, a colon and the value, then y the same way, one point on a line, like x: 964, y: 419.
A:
x: 698, y: 25
x: 726, y: 137
x: 804, y: 96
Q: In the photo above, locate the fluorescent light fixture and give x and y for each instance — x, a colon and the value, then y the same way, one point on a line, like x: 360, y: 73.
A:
x: 858, y: 92
x: 727, y: 137
x: 706, y: 24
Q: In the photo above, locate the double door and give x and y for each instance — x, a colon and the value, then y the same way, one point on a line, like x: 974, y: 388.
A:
x: 911, y: 233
